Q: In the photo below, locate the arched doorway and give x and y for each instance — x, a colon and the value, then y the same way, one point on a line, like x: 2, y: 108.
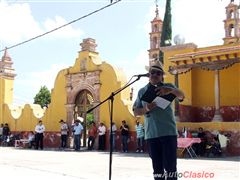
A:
x: 83, y: 102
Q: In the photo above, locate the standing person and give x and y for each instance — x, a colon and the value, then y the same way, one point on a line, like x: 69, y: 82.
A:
x: 124, y: 133
x: 64, y: 133
x: 160, y: 125
x: 6, y: 132
x: 39, y: 130
x: 101, y: 137
x: 114, y: 130
x: 140, y: 136
x: 92, y: 134
x: 77, y: 131
x: 1, y: 133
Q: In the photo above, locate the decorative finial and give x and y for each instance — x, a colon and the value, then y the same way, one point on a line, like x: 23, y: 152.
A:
x: 157, y: 14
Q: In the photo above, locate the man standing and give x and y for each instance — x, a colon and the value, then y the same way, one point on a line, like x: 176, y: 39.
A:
x: 140, y: 136
x: 101, y: 137
x: 39, y: 130
x: 92, y: 134
x: 124, y: 133
x: 160, y: 126
x: 64, y: 133
x: 1, y: 133
x: 77, y: 131
x: 114, y: 130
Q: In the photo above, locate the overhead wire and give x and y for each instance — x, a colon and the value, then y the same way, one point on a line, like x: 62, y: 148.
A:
x: 71, y: 22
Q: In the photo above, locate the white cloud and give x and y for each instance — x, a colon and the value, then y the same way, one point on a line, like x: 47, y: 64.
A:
x: 16, y: 20
x: 18, y: 24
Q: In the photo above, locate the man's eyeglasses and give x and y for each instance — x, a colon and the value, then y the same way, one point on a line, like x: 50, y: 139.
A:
x: 158, y: 73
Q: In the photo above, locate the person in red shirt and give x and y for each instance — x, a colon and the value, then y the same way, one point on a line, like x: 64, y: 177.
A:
x: 92, y: 134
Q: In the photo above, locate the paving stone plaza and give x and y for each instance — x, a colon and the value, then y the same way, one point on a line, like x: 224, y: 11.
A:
x: 84, y: 165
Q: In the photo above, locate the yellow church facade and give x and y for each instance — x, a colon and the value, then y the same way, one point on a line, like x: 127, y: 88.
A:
x: 76, y: 90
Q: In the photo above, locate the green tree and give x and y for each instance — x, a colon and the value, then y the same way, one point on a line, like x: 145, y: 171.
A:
x: 89, y: 119
x: 166, y: 36
x: 43, y: 97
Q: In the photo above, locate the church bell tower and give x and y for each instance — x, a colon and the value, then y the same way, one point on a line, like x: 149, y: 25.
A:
x: 7, y: 76
x: 232, y: 24
x: 155, y: 36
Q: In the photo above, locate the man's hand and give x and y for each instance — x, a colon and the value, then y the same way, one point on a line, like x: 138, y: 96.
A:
x: 150, y: 106
x: 141, y: 111
x: 161, y: 91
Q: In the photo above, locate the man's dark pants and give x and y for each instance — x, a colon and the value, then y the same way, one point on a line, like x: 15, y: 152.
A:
x: 77, y: 141
x: 101, y: 142
x: 163, y: 152
x: 91, y: 141
x: 125, y: 143
x: 63, y: 140
x: 39, y: 140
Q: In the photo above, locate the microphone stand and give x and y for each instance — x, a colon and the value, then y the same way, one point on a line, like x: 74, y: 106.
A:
x: 111, y: 98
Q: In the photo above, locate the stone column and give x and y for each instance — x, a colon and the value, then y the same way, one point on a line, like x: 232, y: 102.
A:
x: 70, y: 110
x: 217, y: 116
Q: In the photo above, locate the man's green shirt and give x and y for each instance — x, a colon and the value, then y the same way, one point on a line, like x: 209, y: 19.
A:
x: 158, y: 122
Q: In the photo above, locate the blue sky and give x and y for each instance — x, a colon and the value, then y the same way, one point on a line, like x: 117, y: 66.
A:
x: 121, y: 32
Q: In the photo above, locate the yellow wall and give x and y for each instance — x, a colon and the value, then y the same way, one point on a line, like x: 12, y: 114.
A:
x: 198, y: 84
x: 211, y: 126
x: 56, y: 109
x: 110, y: 83
x: 6, y: 90
x: 230, y: 86
x: 202, y: 88
x: 184, y: 80
x: 26, y: 119
x: 6, y: 95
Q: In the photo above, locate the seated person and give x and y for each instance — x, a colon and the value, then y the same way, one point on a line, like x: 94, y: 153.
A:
x: 213, y: 147
x: 200, y: 147
x: 223, y: 141
x: 31, y: 140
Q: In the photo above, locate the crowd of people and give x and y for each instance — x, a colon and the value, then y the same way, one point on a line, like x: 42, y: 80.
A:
x: 35, y: 139
x: 210, y: 145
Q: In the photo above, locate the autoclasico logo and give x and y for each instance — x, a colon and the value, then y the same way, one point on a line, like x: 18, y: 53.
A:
x: 186, y: 174
x: 192, y: 174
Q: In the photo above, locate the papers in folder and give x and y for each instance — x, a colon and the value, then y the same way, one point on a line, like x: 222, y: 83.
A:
x: 161, y: 101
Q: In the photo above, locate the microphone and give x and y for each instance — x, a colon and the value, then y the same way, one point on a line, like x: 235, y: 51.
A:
x: 141, y: 75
